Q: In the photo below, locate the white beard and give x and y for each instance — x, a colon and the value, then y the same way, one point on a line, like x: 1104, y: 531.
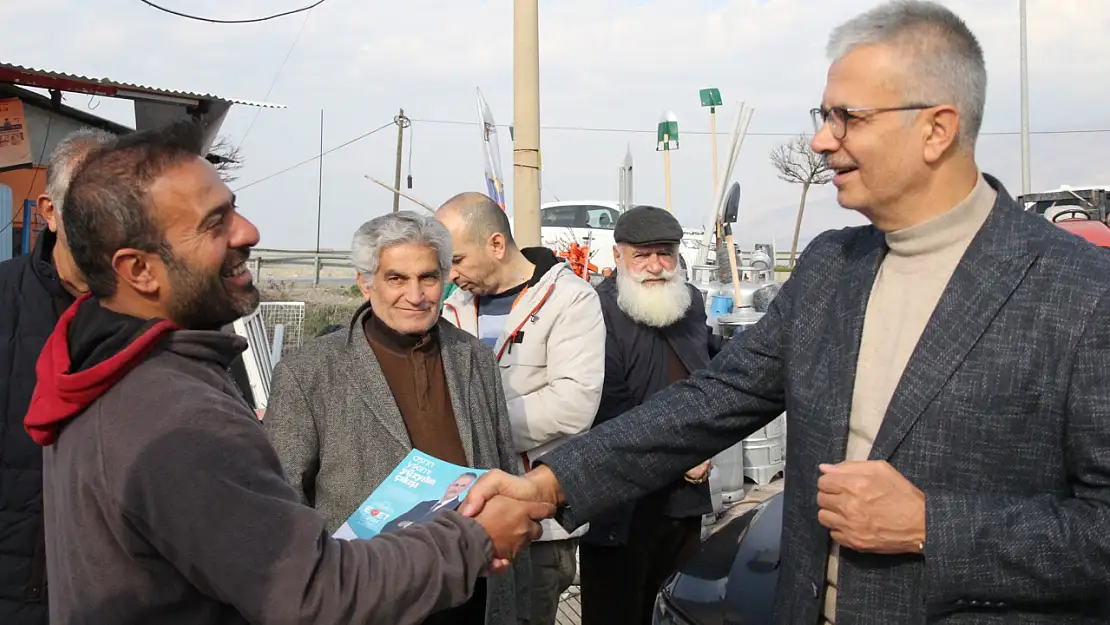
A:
x: 654, y: 305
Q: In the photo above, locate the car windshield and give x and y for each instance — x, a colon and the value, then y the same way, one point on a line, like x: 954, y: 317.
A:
x: 579, y: 216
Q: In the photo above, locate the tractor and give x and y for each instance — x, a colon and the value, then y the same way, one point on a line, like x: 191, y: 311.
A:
x: 1082, y: 212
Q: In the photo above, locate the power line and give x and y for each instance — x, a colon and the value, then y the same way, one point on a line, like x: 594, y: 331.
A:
x: 321, y: 155
x: 246, y: 21
x: 750, y: 134
x: 258, y: 110
x: 622, y: 130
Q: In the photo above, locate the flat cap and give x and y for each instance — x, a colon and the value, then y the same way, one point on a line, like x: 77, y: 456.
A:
x: 645, y: 225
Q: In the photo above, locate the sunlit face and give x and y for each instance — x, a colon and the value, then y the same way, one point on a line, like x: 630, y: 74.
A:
x: 407, y: 288
x: 880, y: 155
x: 209, y: 285
x: 48, y: 207
x: 650, y: 288
x: 67, y: 269
x: 650, y: 265
x: 458, y: 486
x: 474, y: 264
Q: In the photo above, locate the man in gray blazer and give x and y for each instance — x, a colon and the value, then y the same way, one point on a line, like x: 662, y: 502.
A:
x: 349, y: 406
x: 944, y: 371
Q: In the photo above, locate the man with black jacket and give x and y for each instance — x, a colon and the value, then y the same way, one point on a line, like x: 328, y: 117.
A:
x: 35, y: 288
x: 655, y: 335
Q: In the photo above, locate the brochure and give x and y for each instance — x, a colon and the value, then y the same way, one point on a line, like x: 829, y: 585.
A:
x: 417, y: 489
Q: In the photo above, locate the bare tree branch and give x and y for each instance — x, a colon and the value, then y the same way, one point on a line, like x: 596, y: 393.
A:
x: 225, y: 156
x: 797, y: 163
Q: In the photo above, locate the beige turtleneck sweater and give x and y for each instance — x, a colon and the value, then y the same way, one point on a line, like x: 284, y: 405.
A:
x: 917, y: 267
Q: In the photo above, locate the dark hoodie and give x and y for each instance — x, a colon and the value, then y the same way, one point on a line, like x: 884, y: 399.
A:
x: 165, y: 503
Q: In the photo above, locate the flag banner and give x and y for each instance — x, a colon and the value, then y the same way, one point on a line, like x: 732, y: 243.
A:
x: 491, y: 153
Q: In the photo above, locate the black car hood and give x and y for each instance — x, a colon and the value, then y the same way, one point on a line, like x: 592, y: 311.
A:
x: 731, y: 579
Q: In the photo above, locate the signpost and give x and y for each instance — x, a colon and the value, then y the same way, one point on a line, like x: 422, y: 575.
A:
x: 667, y: 140
x: 711, y: 97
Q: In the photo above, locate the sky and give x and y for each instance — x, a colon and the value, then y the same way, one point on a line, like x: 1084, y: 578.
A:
x: 610, y: 65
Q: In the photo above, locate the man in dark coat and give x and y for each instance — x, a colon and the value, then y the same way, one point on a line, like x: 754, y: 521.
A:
x: 943, y: 372
x: 35, y: 288
x: 655, y: 335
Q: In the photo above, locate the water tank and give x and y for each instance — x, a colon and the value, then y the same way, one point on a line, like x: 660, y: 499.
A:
x: 765, y: 452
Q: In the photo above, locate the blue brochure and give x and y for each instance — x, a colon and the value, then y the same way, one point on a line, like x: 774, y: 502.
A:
x: 418, y: 488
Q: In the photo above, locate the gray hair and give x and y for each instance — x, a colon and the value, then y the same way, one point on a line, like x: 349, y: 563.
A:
x: 65, y: 158
x: 405, y: 227
x: 944, y: 60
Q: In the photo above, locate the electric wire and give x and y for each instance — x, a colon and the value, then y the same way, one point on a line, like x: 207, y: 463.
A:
x: 257, y: 110
x: 252, y: 20
x: 750, y: 134
x: 321, y: 155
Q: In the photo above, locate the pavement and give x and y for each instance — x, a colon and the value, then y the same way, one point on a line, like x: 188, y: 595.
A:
x: 570, y: 607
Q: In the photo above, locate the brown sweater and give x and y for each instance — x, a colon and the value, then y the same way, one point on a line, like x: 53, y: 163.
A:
x: 413, y: 368
x: 907, y: 288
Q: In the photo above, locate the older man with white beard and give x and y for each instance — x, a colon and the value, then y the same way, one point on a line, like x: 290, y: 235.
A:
x: 655, y: 335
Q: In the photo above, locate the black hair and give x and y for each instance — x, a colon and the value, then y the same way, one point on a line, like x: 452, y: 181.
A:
x: 108, y: 206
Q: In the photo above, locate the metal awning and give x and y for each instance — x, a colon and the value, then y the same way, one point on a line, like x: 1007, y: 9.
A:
x: 75, y: 83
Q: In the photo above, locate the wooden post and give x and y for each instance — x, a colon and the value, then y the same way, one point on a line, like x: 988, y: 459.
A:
x: 319, y: 203
x: 667, y: 170
x: 400, y: 145
x: 713, y: 139
x: 526, y: 123
x: 733, y: 259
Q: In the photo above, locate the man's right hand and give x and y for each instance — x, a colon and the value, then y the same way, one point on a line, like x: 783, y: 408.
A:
x: 539, y: 485
x: 511, y: 525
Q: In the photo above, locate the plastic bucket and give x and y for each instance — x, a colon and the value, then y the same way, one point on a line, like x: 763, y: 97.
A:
x: 720, y: 305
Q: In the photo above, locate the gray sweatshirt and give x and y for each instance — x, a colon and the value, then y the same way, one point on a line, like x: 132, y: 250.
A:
x: 165, y: 503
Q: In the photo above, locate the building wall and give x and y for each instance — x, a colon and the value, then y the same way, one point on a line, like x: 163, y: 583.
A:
x: 45, y: 130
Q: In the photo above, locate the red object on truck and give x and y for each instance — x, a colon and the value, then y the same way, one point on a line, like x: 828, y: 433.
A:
x: 1082, y: 212
x: 1094, y: 231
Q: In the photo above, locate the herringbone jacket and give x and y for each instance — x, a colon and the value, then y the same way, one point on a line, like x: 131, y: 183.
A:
x: 333, y: 420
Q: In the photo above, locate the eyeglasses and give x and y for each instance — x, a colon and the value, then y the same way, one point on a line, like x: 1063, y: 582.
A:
x: 838, y: 117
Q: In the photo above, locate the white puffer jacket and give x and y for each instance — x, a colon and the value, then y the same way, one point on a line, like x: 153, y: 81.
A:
x: 552, y: 358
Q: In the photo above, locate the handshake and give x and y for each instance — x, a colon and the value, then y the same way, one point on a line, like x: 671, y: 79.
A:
x: 509, y: 509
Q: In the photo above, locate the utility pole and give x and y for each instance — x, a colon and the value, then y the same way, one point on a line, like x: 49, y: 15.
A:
x: 1025, y: 176
x: 526, y: 122
x: 401, y: 123
x: 319, y: 203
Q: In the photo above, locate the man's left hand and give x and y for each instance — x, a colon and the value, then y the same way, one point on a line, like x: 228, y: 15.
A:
x: 700, y: 473
x: 869, y: 506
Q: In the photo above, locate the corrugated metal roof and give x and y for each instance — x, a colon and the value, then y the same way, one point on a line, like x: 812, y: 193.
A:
x: 110, y: 85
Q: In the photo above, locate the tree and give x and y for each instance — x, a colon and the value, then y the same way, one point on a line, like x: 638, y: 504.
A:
x: 225, y: 156
x: 797, y: 163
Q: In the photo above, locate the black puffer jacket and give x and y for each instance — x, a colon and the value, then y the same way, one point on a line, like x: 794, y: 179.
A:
x: 635, y: 369
x: 33, y: 299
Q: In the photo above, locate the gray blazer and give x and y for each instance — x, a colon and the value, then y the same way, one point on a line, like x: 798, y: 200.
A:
x: 1002, y: 417
x: 336, y: 427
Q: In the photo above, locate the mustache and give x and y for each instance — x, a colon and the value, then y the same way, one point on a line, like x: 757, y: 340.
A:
x: 837, y: 164
x: 237, y: 256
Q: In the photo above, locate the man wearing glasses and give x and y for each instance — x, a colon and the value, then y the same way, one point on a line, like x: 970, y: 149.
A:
x: 943, y: 369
